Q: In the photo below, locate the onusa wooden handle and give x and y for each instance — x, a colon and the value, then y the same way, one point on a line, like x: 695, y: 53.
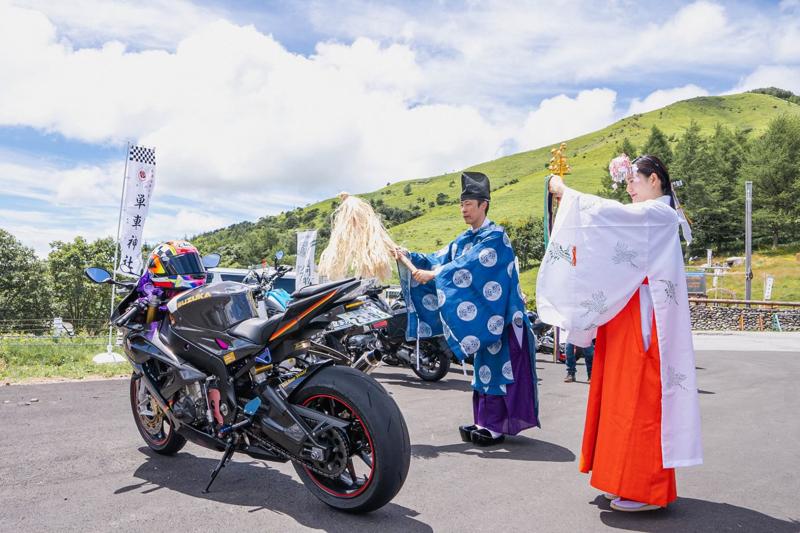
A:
x: 407, y: 262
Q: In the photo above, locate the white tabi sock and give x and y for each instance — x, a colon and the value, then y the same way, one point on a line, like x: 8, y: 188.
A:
x: 493, y: 433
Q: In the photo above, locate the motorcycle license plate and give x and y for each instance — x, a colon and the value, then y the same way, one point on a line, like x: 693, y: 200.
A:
x: 362, y: 316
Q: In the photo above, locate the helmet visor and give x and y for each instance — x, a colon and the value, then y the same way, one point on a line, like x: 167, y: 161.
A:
x: 185, y: 264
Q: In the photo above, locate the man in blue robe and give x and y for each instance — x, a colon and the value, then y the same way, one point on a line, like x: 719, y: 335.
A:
x: 469, y: 292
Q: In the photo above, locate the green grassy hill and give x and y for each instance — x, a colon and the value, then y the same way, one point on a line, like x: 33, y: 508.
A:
x: 517, y: 179
x: 588, y: 155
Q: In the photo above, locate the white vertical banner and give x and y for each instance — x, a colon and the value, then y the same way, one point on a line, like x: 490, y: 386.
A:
x: 305, y: 267
x: 140, y: 177
x: 768, y: 282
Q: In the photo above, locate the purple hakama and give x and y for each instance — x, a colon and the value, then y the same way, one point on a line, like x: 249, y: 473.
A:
x: 515, y: 411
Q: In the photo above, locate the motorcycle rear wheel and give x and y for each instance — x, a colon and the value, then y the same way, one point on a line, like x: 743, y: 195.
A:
x: 436, y: 368
x: 378, y: 442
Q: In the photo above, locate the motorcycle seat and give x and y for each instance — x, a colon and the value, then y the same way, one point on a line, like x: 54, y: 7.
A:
x: 312, y: 290
x: 256, y: 330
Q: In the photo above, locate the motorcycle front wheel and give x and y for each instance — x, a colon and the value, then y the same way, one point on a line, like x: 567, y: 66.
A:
x: 151, y: 422
x: 377, y: 449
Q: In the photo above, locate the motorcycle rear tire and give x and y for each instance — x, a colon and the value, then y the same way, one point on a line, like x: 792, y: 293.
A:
x: 436, y: 374
x: 385, y: 427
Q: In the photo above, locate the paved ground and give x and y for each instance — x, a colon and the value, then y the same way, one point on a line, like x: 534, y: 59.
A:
x: 748, y: 341
x: 74, y: 461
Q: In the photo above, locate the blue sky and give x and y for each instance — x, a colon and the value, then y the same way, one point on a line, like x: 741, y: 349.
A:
x: 255, y: 107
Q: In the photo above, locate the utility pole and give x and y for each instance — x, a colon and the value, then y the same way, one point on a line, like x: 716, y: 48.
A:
x: 748, y: 237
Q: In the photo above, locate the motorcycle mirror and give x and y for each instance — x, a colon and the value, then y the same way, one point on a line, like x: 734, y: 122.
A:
x: 211, y: 260
x: 279, y: 255
x: 98, y: 275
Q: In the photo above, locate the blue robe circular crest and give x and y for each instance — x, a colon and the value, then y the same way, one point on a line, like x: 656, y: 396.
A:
x: 473, y: 301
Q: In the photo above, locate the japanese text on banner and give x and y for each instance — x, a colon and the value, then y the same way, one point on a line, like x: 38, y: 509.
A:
x: 139, y: 182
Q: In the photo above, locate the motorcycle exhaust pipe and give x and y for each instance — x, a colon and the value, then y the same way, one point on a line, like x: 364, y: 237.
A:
x: 368, y: 362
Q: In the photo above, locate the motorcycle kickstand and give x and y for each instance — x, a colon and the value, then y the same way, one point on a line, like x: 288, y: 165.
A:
x: 226, y: 456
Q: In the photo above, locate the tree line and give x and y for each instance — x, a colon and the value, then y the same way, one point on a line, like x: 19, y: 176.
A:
x: 34, y: 290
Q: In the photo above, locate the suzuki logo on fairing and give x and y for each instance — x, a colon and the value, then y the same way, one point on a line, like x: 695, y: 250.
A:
x: 196, y: 297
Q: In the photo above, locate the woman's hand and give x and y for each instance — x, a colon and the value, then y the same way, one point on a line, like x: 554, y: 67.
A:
x: 556, y: 185
x: 423, y: 276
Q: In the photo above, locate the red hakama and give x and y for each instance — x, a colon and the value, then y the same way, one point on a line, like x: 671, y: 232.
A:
x: 622, y: 436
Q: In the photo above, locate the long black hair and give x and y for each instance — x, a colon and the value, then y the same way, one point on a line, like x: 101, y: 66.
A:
x: 649, y: 164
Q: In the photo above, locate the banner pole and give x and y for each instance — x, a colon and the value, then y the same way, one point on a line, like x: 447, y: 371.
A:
x: 558, y: 165
x: 117, y: 245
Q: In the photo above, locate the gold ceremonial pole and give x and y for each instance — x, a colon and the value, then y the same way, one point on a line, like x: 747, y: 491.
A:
x: 558, y: 165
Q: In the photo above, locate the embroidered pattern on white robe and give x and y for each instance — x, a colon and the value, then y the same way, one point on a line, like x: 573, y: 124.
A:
x: 599, y: 253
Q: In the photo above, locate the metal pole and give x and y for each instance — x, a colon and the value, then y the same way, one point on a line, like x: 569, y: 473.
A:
x: 116, y: 244
x: 556, y: 343
x: 748, y: 237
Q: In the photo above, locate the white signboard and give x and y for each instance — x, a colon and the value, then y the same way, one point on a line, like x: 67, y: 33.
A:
x: 768, y: 287
x: 140, y: 178
x: 305, y: 267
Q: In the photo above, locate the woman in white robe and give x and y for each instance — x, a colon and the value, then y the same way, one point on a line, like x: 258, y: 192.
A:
x: 616, y: 272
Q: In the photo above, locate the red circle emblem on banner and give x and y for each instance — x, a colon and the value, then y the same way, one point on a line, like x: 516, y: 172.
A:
x: 142, y: 175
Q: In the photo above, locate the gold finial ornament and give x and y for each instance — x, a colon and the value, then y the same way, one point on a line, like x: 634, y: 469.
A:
x: 558, y: 162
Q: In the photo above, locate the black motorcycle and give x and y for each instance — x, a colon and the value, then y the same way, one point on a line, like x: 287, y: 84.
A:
x: 207, y: 369
x: 378, y: 336
x: 434, y: 353
x: 545, y: 335
x: 344, y: 340
x: 269, y: 300
x: 384, y: 341
x: 352, y: 340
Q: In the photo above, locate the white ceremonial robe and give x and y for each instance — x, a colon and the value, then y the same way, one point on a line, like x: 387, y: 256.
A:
x: 599, y: 253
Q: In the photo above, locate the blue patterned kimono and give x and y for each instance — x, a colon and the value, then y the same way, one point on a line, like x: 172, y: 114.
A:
x: 473, y: 301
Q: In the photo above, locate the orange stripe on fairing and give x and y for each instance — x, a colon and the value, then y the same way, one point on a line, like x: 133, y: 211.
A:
x: 305, y: 313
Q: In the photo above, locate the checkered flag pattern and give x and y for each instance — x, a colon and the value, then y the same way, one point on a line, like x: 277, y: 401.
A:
x: 140, y: 154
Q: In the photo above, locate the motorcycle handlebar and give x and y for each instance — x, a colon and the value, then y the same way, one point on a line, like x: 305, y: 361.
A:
x: 127, y: 315
x: 266, y: 279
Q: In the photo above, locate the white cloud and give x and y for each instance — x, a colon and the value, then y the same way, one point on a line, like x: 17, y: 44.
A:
x: 55, y: 203
x: 183, y: 222
x: 783, y: 77
x: 150, y: 23
x: 33, y: 234
x: 75, y: 186
x: 487, y: 50
x: 244, y: 127
x: 231, y: 109
x: 38, y: 227
x: 24, y: 181
x: 665, y: 97
x: 561, y: 117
